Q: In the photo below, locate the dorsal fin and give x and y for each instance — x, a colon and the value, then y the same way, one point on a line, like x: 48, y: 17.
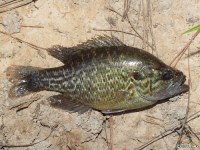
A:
x: 100, y: 41
x: 63, y: 53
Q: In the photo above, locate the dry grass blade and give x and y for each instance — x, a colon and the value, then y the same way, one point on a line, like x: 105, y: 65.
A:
x: 168, y: 132
x: 193, y: 116
x: 111, y: 122
x: 32, y: 26
x: 147, y: 21
x: 132, y: 27
x: 115, y: 31
x: 194, y: 53
x: 180, y: 54
x: 194, y: 138
x: 27, y: 43
x: 8, y: 3
x: 188, y: 104
x: 162, y: 135
x: 12, y: 4
x: 127, y: 4
x: 29, y: 26
x: 28, y: 145
x: 39, y: 49
x: 167, y: 147
x: 145, y: 14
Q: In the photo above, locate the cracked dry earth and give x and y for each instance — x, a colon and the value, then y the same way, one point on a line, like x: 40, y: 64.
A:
x: 60, y: 22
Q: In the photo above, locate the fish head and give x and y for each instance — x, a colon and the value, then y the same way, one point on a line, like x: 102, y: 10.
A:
x: 156, y: 84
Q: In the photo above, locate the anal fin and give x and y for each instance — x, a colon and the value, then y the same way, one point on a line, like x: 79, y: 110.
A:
x: 68, y: 104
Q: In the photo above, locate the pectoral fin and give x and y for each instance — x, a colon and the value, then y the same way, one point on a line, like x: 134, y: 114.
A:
x: 68, y: 104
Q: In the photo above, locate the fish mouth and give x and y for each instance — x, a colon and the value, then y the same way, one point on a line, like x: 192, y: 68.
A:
x: 182, y: 89
x: 175, y: 88
x: 178, y: 87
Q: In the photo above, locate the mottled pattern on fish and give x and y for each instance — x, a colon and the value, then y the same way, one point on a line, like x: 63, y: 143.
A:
x: 104, y: 74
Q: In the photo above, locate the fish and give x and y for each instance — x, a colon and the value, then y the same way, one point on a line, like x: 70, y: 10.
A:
x: 102, y: 74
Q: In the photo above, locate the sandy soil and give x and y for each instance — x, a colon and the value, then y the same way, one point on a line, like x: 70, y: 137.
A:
x: 71, y: 22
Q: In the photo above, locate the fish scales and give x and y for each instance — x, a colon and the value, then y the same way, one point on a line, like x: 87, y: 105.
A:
x: 99, y: 69
x: 103, y: 74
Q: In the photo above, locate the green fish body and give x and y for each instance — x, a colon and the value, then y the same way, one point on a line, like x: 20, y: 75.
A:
x: 103, y: 74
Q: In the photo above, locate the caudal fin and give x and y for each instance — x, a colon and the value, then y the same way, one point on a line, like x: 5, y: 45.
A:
x: 23, y: 79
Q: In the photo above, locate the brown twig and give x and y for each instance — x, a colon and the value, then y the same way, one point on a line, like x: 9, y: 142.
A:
x: 106, y: 134
x: 194, y: 138
x: 162, y: 135
x: 27, y: 43
x: 180, y: 54
x: 111, y: 122
x: 8, y: 3
x: 29, y: 26
x: 193, y: 53
x: 138, y: 17
x: 115, y: 31
x: 28, y: 145
x: 165, y: 142
x: 149, y: 15
x: 127, y: 4
x: 132, y: 27
x: 154, y: 118
x: 39, y: 49
x: 168, y: 132
x: 192, y: 118
x: 145, y: 22
x: 188, y: 105
x: 13, y: 4
x: 154, y: 123
x: 32, y: 26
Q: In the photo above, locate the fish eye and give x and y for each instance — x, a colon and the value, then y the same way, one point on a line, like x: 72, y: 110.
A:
x: 167, y: 75
x: 137, y: 75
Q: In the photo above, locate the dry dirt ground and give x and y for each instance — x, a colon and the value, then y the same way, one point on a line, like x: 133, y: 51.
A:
x: 33, y: 124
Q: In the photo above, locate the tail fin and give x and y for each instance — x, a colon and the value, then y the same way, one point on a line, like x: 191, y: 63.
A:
x: 23, y: 80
